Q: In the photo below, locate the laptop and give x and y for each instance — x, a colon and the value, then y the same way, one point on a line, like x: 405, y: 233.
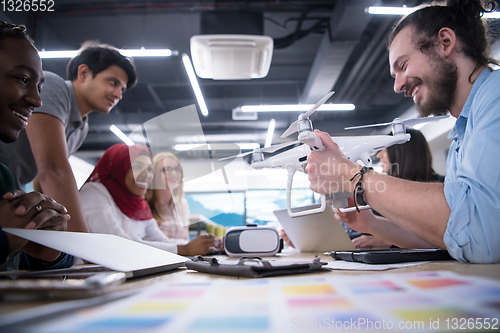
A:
x: 318, y: 232
x: 113, y: 252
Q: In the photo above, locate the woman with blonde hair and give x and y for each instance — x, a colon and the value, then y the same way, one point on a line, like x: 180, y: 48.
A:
x: 168, y: 205
x: 166, y: 197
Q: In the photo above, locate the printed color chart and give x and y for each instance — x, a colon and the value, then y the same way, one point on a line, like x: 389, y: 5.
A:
x: 418, y: 302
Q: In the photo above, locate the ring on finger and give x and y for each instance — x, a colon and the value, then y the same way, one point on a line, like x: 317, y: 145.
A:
x: 38, y: 208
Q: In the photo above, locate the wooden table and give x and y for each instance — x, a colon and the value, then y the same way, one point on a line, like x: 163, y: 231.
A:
x: 184, y: 275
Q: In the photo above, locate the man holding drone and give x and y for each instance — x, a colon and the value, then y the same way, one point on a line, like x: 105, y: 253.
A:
x: 439, y: 56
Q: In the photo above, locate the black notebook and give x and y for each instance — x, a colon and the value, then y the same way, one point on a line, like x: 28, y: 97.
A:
x: 391, y: 256
x: 255, y: 267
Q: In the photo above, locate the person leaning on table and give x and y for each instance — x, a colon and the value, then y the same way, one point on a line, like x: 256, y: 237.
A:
x: 97, y: 79
x: 21, y: 79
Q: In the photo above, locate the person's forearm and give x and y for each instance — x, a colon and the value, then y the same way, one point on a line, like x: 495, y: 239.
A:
x: 48, y: 255
x: 41, y: 252
x: 15, y: 243
x: 394, y: 234
x: 420, y: 208
x: 61, y: 186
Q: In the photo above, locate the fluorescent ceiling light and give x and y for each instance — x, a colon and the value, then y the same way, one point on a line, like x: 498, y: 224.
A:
x: 270, y: 133
x: 380, y: 10
x: 194, y: 84
x: 57, y: 54
x: 296, y: 107
x: 128, y: 53
x: 215, y: 146
x: 262, y: 172
x: 236, y: 137
x: 493, y: 15
x: 147, y: 53
x: 121, y: 135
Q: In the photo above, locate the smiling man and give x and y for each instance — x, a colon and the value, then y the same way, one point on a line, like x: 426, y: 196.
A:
x: 97, y: 78
x: 21, y: 79
x: 439, y: 57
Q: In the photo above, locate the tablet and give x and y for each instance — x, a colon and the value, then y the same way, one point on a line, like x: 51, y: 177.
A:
x: 391, y: 256
x: 318, y: 232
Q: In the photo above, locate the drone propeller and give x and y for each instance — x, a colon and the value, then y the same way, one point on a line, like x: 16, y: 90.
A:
x: 270, y: 149
x: 407, y: 123
x: 293, y: 127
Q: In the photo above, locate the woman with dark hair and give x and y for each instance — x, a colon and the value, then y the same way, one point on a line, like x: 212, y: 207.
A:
x: 113, y: 200
x: 412, y: 161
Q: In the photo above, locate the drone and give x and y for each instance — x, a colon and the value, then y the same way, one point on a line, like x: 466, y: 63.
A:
x: 355, y: 148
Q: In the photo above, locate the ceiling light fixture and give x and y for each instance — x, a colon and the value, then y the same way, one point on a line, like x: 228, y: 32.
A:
x: 380, y: 10
x: 194, y: 84
x: 128, y: 53
x: 270, y: 133
x: 295, y: 107
x: 215, y: 146
x: 231, y: 57
x: 121, y: 135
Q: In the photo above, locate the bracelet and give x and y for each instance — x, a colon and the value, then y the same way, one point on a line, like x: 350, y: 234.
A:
x: 357, y: 194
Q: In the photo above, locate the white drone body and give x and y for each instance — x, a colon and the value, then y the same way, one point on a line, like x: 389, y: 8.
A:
x: 355, y: 148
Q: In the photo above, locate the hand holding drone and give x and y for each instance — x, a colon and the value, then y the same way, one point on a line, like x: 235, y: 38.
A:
x: 354, y: 148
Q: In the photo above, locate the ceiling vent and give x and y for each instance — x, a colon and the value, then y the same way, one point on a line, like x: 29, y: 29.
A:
x: 231, y: 57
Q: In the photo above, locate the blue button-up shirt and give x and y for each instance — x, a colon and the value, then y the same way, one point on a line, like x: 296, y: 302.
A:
x: 472, y: 185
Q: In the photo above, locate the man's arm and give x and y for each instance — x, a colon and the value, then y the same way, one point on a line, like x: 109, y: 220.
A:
x: 382, y: 228
x: 420, y: 208
x: 55, y: 178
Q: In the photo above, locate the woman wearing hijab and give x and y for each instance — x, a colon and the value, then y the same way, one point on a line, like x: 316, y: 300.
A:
x: 113, y: 201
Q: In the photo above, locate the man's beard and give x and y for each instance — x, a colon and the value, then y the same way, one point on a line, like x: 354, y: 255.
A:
x: 442, y: 88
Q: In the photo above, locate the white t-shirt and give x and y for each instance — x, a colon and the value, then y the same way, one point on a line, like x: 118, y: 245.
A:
x: 103, y: 216
x: 176, y: 225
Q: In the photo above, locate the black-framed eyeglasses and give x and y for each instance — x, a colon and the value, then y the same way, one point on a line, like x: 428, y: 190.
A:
x: 168, y: 169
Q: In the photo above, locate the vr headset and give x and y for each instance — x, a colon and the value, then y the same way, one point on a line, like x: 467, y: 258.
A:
x: 252, y: 240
